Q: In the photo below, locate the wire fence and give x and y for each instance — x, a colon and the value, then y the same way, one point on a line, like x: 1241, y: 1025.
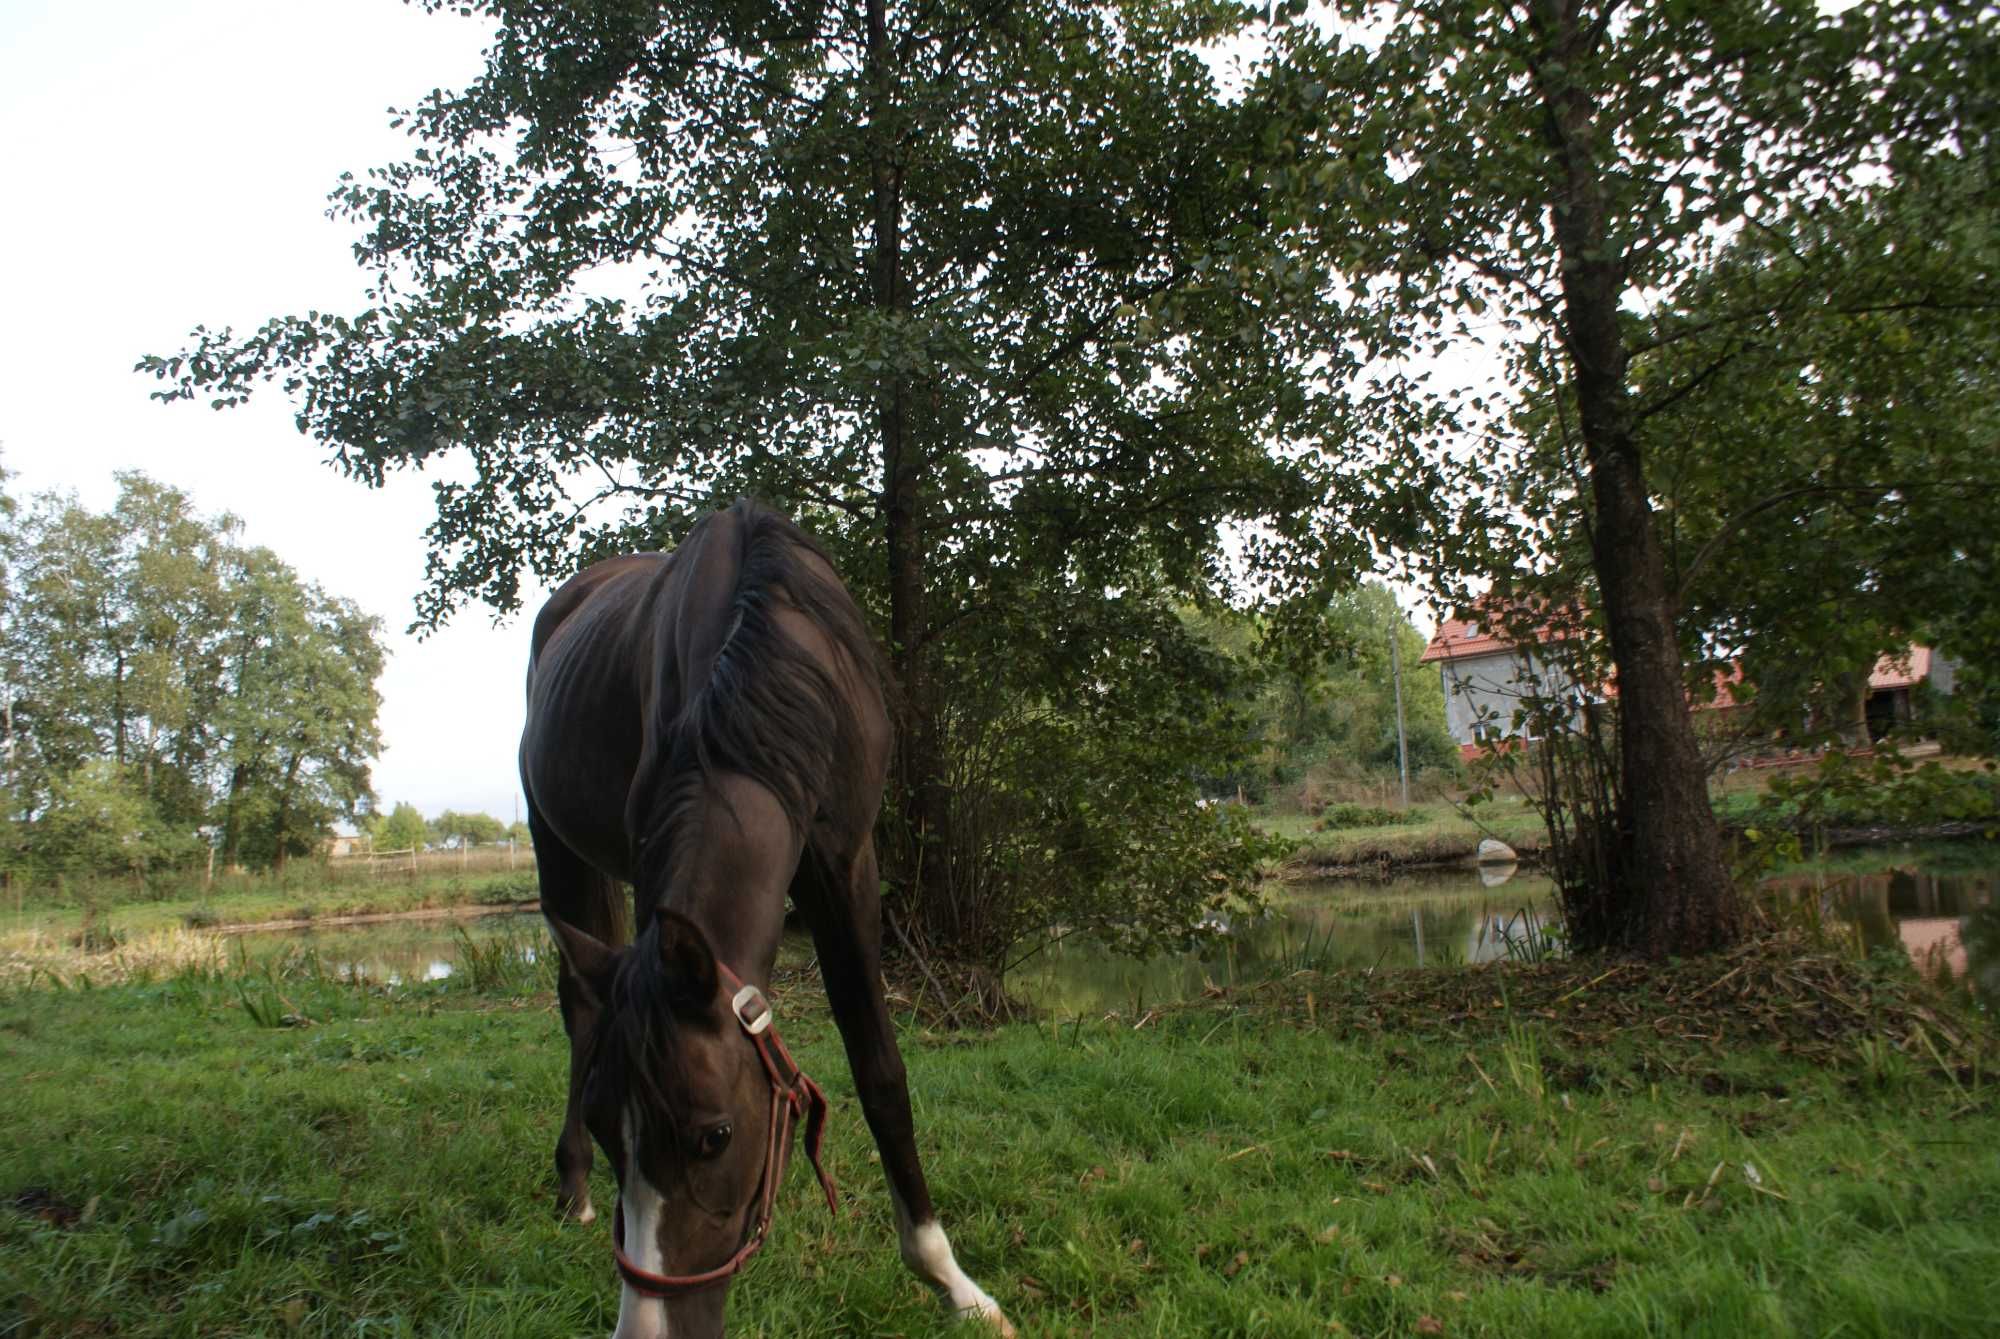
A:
x: 418, y: 863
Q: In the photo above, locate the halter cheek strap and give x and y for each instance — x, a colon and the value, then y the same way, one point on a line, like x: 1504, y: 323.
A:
x: 794, y: 1096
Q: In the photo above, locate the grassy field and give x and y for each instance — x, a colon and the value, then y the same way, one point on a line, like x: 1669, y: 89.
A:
x: 1772, y: 1145
x: 1436, y: 832
x: 257, y: 900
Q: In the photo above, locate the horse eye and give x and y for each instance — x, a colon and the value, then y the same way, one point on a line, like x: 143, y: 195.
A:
x: 710, y: 1142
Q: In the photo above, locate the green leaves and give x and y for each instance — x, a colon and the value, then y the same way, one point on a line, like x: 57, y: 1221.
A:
x: 162, y: 679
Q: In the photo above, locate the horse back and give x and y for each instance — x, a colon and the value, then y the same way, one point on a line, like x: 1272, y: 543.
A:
x: 628, y: 655
x: 589, y: 682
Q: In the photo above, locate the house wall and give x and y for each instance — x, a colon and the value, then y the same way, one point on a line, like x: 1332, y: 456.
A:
x: 1944, y: 674
x: 1482, y: 693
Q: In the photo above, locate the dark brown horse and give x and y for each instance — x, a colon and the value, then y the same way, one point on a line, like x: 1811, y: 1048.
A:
x: 708, y: 726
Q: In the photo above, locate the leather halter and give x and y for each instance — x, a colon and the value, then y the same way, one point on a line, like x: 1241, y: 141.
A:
x: 793, y: 1096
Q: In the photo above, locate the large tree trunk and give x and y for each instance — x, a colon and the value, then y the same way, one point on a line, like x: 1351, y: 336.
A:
x: 1675, y: 888
x: 922, y: 865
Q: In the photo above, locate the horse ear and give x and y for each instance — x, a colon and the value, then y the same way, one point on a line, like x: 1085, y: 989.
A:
x: 689, y: 962
x: 591, y: 961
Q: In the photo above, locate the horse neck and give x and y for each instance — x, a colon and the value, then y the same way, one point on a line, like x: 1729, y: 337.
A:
x: 736, y: 857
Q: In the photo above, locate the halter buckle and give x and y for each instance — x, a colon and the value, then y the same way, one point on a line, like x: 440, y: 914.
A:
x: 752, y: 1010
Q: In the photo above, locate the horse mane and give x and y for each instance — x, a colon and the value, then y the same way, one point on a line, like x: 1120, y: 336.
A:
x: 637, y: 1052
x: 732, y: 694
x: 735, y: 694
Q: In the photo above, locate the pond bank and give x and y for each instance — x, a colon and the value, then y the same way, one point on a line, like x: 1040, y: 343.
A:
x: 1710, y: 1148
x: 1432, y: 837
x: 1376, y: 856
x: 1313, y: 864
x: 277, y: 905
x: 459, y: 911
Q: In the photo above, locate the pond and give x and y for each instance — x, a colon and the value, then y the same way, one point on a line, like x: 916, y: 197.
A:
x: 395, y: 952
x: 1941, y: 906
x: 1433, y: 919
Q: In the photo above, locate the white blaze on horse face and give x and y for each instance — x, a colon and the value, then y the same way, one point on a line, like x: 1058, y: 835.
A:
x: 639, y: 1317
x: 927, y: 1252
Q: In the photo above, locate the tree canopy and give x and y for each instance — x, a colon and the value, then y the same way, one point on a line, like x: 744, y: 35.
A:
x: 1552, y: 181
x: 163, y: 680
x: 956, y: 284
x: 1049, y: 330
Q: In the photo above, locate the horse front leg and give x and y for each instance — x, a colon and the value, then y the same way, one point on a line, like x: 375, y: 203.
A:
x: 576, y: 895
x: 573, y: 1148
x: 846, y: 923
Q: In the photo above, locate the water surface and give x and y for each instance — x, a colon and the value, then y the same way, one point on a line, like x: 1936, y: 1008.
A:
x: 1940, y: 906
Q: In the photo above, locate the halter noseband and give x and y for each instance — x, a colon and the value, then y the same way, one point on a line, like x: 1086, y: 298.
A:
x: 793, y: 1096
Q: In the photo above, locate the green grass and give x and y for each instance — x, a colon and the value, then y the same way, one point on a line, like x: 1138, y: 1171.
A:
x: 1971, y: 855
x: 1427, y: 833
x: 1494, y: 1151
x: 251, y: 901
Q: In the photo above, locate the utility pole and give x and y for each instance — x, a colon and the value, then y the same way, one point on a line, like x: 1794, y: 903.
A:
x: 1402, y: 737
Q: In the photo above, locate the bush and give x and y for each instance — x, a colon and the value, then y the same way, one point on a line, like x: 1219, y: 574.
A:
x: 1882, y: 791
x: 1365, y: 816
x: 506, y: 890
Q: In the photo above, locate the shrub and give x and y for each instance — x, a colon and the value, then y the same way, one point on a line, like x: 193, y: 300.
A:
x: 1365, y: 816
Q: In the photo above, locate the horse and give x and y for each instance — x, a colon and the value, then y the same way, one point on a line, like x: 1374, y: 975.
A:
x: 710, y: 727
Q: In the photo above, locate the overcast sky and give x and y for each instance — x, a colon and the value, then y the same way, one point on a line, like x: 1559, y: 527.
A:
x: 165, y: 165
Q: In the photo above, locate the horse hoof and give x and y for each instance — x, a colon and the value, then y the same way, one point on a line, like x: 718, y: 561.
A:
x: 991, y: 1316
x: 579, y: 1210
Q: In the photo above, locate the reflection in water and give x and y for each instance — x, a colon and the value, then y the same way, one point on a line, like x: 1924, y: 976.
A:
x: 1948, y: 923
x: 388, y: 953
x: 1440, y: 920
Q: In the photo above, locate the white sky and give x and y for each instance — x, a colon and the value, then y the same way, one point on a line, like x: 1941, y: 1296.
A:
x: 165, y: 165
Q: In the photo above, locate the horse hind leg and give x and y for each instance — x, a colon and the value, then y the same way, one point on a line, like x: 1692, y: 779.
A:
x: 845, y: 913
x: 577, y: 895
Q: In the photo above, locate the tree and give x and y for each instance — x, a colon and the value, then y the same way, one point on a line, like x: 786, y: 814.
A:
x: 300, y: 717
x: 109, y: 643
x: 217, y: 686
x: 1541, y: 174
x: 1319, y: 692
x: 452, y: 828
x: 402, y: 829
x: 98, y: 819
x: 956, y: 283
x: 1827, y: 499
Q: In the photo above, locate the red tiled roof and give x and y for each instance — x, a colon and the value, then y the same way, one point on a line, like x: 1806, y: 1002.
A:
x: 1457, y: 637
x: 1462, y: 638
x: 1905, y: 671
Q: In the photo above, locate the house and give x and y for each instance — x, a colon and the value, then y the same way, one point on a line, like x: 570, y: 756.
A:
x: 1893, y: 679
x: 1486, y: 678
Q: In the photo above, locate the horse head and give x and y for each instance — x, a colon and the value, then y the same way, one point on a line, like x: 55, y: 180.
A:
x: 693, y: 1099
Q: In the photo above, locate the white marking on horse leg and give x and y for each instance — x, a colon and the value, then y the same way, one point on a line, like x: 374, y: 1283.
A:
x: 927, y: 1252
x: 639, y: 1317
x: 588, y: 1213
